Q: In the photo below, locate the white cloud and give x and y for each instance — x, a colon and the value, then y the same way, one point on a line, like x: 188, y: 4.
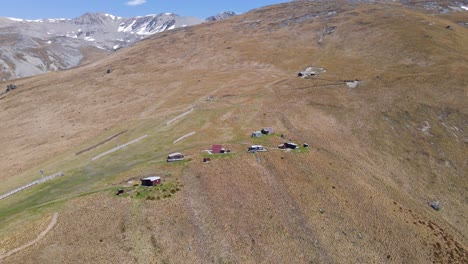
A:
x: 136, y: 2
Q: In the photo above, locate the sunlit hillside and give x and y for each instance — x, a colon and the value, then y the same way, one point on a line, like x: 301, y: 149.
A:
x: 379, y: 153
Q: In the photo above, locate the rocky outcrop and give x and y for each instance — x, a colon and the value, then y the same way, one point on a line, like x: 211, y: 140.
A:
x: 221, y: 16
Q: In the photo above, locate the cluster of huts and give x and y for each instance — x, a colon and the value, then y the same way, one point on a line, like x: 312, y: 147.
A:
x: 268, y: 131
x: 264, y: 131
x: 219, y: 149
x: 257, y: 134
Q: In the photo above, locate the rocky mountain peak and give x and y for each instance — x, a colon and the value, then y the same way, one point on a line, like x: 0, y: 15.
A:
x: 93, y: 18
x: 221, y: 16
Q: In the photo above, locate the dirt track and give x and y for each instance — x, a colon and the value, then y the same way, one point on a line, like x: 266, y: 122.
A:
x: 51, y: 225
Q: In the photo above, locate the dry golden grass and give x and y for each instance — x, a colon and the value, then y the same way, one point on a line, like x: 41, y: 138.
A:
x: 23, y: 231
x: 372, y: 167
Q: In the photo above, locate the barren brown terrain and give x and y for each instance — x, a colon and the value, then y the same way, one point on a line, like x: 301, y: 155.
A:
x: 379, y: 153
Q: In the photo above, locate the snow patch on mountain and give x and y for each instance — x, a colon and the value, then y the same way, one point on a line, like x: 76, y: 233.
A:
x: 112, y: 16
x: 16, y: 19
x: 51, y: 20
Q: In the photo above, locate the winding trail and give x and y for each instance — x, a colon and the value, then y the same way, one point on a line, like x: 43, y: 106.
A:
x: 51, y: 225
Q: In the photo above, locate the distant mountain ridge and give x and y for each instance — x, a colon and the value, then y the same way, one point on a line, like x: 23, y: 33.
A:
x: 439, y: 6
x: 30, y: 47
x: 221, y: 16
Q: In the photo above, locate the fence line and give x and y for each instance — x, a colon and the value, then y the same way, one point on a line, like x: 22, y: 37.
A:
x: 53, y: 176
x: 100, y: 143
x: 182, y: 137
x: 117, y: 148
x: 179, y: 116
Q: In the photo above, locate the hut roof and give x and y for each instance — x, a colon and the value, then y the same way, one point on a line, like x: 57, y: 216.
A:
x: 217, y: 148
x: 153, y: 178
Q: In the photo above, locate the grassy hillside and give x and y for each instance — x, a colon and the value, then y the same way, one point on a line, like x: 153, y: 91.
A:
x: 379, y: 153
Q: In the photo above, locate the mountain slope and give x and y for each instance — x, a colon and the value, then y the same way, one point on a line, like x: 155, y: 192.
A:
x: 31, y: 47
x: 379, y: 153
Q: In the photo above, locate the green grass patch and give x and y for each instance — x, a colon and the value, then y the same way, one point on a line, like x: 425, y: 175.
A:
x: 184, y: 162
x: 218, y: 156
x: 158, y: 192
x: 301, y: 150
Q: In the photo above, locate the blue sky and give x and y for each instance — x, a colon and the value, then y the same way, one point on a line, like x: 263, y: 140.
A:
x: 36, y: 9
